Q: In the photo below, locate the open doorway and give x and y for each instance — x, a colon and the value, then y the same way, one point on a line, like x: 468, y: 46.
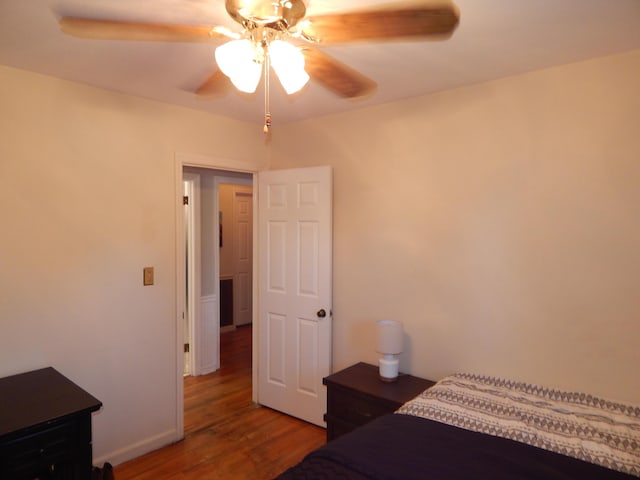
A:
x: 218, y: 261
x: 312, y: 187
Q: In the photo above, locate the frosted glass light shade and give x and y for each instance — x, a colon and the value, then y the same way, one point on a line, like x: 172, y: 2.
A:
x: 390, y: 343
x: 239, y: 60
x: 288, y: 63
x: 390, y: 337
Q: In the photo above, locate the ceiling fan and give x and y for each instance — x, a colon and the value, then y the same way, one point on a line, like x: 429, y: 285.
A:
x: 278, y: 33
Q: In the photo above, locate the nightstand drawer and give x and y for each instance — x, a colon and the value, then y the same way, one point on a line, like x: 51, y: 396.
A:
x: 356, y: 395
x: 355, y: 409
x: 337, y: 427
x: 32, y: 453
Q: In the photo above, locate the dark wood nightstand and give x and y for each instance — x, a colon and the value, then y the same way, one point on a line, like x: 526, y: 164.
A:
x: 45, y: 427
x: 356, y: 395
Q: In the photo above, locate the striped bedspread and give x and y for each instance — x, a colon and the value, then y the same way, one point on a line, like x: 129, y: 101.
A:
x: 578, y: 425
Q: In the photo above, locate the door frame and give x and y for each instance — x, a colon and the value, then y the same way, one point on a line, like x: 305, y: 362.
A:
x: 193, y: 259
x: 182, y: 160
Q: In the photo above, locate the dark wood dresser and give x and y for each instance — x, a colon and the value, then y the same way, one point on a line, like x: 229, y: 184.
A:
x: 45, y: 427
x: 356, y: 395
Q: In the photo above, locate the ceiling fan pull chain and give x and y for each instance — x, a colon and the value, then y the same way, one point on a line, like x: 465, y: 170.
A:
x: 267, y: 113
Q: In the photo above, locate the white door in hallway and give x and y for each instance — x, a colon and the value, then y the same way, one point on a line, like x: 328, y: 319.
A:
x: 295, y: 290
x: 242, y: 254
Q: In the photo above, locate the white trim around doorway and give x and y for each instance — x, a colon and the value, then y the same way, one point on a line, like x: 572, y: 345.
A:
x: 189, y: 160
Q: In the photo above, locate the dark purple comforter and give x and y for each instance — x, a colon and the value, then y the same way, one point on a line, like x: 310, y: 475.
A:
x: 405, y: 447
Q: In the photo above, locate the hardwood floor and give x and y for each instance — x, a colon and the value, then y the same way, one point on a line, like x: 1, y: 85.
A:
x: 227, y: 436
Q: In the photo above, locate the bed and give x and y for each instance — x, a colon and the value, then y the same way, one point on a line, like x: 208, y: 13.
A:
x: 478, y: 427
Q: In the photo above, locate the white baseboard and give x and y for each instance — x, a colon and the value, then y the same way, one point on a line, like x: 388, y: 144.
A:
x: 137, y: 449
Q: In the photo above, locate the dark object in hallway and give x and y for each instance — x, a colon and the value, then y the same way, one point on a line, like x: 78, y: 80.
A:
x: 226, y: 302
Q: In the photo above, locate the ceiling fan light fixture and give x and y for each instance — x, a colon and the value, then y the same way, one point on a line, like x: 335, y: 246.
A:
x: 288, y: 63
x: 241, y: 61
x: 265, y: 23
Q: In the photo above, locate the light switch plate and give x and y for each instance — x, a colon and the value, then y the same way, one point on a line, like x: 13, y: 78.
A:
x: 147, y: 276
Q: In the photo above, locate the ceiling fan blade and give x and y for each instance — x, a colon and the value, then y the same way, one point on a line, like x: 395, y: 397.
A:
x: 216, y: 84
x: 426, y: 20
x: 335, y: 75
x: 137, y: 31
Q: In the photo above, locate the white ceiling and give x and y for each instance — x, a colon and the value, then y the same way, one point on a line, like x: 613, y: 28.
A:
x: 495, y: 38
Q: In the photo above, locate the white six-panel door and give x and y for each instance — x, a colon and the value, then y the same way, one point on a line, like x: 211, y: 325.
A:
x: 242, y: 255
x: 295, y: 250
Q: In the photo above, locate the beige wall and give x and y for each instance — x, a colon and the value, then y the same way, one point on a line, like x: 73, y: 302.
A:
x: 87, y: 199
x: 500, y: 223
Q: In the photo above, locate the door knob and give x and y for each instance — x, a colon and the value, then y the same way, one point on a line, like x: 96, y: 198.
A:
x: 321, y: 313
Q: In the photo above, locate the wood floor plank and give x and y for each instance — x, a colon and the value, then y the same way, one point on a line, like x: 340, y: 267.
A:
x: 227, y: 436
